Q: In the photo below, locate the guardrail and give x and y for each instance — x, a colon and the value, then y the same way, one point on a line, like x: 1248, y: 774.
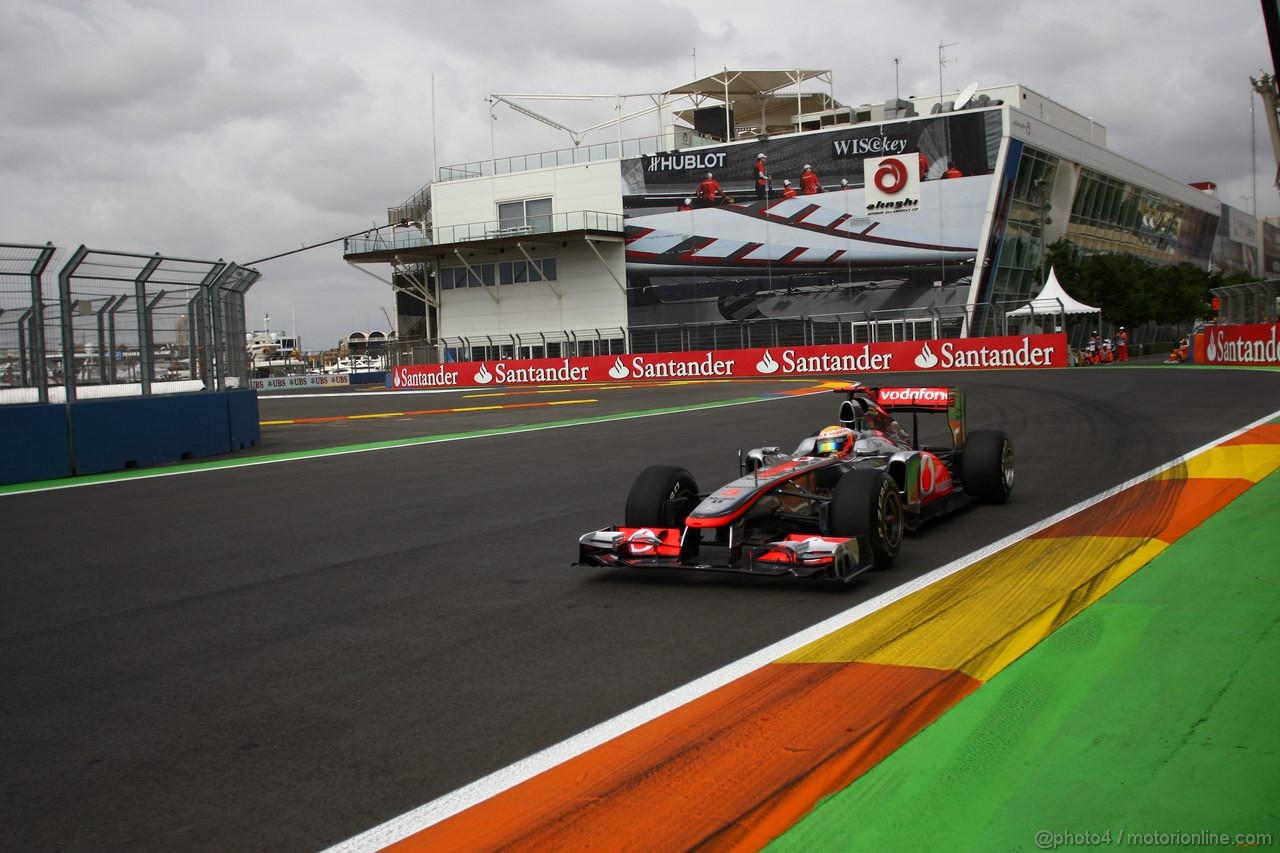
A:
x: 615, y: 150
x: 493, y: 229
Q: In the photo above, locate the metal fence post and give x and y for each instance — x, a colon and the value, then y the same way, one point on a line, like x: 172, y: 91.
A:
x: 38, y: 353
x: 140, y: 294
x: 68, y: 330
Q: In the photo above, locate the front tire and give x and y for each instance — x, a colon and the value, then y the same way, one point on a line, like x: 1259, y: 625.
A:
x: 866, y: 502
x: 986, y: 467
x: 662, y: 496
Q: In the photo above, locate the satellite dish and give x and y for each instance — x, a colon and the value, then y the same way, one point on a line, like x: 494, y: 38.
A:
x: 966, y: 94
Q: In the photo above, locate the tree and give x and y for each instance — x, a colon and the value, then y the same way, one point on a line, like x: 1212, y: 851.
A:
x: 1130, y: 290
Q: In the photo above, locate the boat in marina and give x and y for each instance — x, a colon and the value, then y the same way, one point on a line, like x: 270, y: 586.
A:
x: 274, y: 353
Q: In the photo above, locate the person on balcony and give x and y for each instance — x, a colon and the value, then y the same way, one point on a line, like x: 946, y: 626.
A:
x: 709, y: 191
x: 762, y: 178
x: 809, y: 183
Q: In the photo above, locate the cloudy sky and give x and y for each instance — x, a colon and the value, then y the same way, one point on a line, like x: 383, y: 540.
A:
x: 240, y: 130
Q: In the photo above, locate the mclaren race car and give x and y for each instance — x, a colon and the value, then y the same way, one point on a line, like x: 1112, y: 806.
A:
x: 836, y: 507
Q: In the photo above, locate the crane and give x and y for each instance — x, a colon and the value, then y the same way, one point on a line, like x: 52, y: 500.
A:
x: 1265, y: 84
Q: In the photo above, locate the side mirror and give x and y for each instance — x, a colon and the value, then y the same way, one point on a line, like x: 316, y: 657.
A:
x: 754, y: 460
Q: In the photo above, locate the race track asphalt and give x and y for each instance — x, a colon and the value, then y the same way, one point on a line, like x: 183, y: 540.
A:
x: 283, y: 655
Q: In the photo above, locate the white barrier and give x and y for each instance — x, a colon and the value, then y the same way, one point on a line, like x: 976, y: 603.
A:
x: 311, y: 380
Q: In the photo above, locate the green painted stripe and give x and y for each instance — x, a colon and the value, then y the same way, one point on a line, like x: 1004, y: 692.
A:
x: 391, y: 444
x: 1153, y: 711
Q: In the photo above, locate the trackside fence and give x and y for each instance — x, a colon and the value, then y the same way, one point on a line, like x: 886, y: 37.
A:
x: 118, y: 324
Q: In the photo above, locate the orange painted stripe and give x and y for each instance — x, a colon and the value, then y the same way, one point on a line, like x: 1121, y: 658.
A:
x: 1154, y: 509
x: 426, y: 412
x: 1265, y: 434
x: 526, y: 393
x: 729, y: 771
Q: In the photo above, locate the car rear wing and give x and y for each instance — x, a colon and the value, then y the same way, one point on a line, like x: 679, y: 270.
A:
x: 914, y: 400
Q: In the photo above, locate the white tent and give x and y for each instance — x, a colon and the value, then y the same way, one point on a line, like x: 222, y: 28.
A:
x: 1052, y: 300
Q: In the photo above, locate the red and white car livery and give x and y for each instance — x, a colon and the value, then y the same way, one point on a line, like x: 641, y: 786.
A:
x: 835, y: 507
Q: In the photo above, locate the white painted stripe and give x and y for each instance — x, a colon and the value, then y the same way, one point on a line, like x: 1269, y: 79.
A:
x: 431, y: 813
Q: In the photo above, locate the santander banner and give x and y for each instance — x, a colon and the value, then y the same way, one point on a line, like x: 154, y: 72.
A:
x: 1255, y: 343
x: 959, y: 354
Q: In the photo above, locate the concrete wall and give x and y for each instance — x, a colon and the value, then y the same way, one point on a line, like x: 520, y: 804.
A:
x: 587, y: 298
x: 588, y: 186
x: 585, y: 294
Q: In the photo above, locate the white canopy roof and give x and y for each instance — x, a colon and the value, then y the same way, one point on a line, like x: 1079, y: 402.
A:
x: 756, y: 97
x: 1052, y: 300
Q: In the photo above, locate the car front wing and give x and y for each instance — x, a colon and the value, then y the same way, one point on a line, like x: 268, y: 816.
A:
x: 796, y: 555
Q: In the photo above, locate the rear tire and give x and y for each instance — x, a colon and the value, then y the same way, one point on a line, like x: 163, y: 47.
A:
x: 986, y: 466
x: 662, y: 496
x: 866, y: 502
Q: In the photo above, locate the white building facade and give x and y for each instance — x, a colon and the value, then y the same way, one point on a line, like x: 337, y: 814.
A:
x: 935, y: 209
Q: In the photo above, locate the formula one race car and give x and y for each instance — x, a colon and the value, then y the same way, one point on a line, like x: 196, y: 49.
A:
x: 837, y: 506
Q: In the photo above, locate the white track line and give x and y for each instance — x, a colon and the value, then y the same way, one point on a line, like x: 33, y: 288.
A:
x: 495, y: 783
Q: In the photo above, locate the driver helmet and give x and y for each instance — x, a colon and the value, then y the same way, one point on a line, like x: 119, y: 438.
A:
x: 834, y: 441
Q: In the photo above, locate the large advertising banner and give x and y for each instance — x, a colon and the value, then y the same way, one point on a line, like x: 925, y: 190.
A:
x: 1270, y: 250
x: 1028, y: 351
x: 1238, y: 242
x: 863, y: 218
x: 1254, y: 343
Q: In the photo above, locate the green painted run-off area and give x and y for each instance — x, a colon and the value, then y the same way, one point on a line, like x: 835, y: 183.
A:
x: 1155, y: 711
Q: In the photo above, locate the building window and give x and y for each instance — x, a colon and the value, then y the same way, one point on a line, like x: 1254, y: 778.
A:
x: 526, y: 215
x: 1016, y: 278
x: 1110, y: 215
x: 505, y: 272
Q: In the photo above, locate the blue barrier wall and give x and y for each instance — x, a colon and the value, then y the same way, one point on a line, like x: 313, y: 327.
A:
x: 95, y: 436
x: 242, y: 419
x: 35, y: 443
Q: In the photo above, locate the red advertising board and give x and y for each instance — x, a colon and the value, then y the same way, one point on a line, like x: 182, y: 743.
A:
x: 1255, y: 343
x: 960, y: 354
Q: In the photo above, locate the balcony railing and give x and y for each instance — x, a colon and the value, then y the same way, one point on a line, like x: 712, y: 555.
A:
x: 552, y: 223
x: 616, y: 150
x: 377, y: 241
